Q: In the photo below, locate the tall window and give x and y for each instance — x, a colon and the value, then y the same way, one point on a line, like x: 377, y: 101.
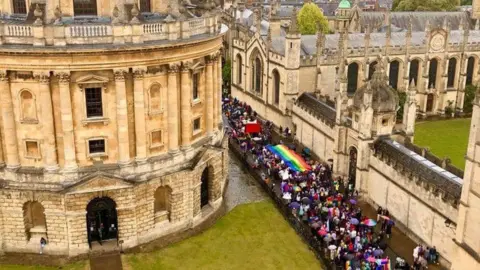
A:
x: 452, y: 67
x: 93, y: 99
x: 413, y: 73
x: 470, y: 69
x: 19, y: 7
x: 239, y: 69
x: 145, y: 6
x: 276, y: 87
x: 257, y: 75
x: 371, y: 69
x: 393, y: 74
x: 85, y: 7
x: 432, y: 73
x: 352, y: 78
x: 195, y: 80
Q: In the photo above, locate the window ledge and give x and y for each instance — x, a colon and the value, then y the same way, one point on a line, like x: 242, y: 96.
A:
x: 29, y: 121
x: 93, y: 120
x: 196, y: 101
x: 156, y: 145
x: 196, y: 132
x: 34, y: 157
x: 158, y: 112
x: 97, y: 155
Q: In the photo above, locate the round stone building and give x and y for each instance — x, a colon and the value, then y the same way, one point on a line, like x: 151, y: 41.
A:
x: 111, y: 124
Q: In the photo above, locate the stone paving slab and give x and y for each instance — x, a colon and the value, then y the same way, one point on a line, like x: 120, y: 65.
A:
x: 106, y: 262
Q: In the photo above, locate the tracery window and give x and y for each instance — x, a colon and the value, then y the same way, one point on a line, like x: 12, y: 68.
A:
x: 393, y: 74
x: 452, y: 67
x: 413, y: 73
x: 470, y: 69
x: 276, y: 87
x: 352, y: 78
x: 85, y: 7
x: 432, y: 73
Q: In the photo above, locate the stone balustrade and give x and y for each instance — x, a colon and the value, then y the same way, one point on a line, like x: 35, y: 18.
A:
x: 79, y: 32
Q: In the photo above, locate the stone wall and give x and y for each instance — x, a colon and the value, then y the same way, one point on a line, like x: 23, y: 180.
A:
x: 65, y: 211
x: 417, y: 211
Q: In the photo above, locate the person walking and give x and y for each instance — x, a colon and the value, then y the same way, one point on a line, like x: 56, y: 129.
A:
x: 43, y: 243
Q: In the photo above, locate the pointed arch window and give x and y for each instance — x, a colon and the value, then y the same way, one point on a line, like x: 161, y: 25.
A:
x: 452, y: 69
x: 239, y: 69
x: 257, y: 75
x: 276, y: 86
x: 432, y: 73
x: 393, y: 74
x: 352, y: 75
x: 470, y: 70
x: 413, y: 73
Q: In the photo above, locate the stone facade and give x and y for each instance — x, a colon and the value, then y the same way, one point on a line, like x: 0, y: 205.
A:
x: 118, y: 105
x: 441, y: 59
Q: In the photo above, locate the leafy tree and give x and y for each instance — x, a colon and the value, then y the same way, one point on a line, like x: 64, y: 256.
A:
x: 308, y: 17
x: 227, y: 74
x: 469, y: 98
x: 425, y: 5
x: 466, y: 2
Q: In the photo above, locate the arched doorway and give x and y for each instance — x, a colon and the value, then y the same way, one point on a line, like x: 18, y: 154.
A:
x: 352, y: 168
x: 102, y: 223
x: 430, y: 99
x: 204, y: 188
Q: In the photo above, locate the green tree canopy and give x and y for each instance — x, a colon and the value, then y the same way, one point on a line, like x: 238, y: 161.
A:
x: 308, y: 17
x: 425, y: 5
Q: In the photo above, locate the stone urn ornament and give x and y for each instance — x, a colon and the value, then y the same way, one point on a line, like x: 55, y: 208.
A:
x: 58, y: 15
x: 38, y: 13
x: 135, y: 11
x: 116, y: 14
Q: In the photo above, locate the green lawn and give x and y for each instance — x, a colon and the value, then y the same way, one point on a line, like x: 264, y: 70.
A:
x: 445, y: 138
x: 252, y: 236
x: 81, y: 265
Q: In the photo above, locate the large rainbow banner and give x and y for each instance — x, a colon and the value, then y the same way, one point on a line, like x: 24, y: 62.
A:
x: 292, y: 159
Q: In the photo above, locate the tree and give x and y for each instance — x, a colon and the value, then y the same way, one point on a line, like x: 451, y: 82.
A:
x: 425, y: 5
x: 227, y: 74
x: 402, y: 98
x: 308, y: 17
x: 469, y: 98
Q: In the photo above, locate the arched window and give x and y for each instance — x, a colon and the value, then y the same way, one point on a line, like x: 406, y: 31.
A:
x: 352, y: 166
x: 452, y: 67
x: 413, y: 73
x: 393, y: 74
x: 145, y: 6
x: 34, y: 217
x: 371, y: 69
x: 19, y: 7
x: 352, y: 76
x: 162, y: 204
x: 239, y: 69
x: 29, y: 108
x: 470, y: 70
x: 257, y: 75
x: 432, y: 73
x: 204, y: 188
x: 155, y: 99
x: 276, y: 87
x: 85, y: 7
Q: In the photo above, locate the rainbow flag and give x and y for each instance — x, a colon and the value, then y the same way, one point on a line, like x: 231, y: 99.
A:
x: 292, y: 159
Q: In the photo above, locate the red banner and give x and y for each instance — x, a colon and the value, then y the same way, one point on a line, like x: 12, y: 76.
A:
x: 253, y: 128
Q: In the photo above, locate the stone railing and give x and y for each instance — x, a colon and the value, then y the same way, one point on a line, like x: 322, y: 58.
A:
x: 85, y: 33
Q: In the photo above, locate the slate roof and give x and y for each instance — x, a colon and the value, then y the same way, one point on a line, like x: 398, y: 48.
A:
x: 286, y: 8
x: 401, y: 19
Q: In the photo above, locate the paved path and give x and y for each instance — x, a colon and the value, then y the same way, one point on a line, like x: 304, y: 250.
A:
x: 106, y: 262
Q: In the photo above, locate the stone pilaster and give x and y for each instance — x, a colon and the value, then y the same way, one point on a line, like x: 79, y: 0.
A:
x: 215, y: 91
x: 122, y: 118
x: 139, y: 103
x: 173, y: 107
x: 67, y: 121
x: 209, y: 97
x: 7, y: 112
x: 50, y: 149
x: 219, y: 93
x: 185, y: 105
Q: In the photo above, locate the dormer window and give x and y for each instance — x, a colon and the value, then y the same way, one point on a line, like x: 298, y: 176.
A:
x: 19, y: 7
x: 85, y: 7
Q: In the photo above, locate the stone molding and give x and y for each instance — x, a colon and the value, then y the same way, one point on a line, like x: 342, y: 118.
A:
x: 3, y: 76
x: 173, y: 67
x: 139, y: 72
x: 119, y: 74
x: 63, y: 77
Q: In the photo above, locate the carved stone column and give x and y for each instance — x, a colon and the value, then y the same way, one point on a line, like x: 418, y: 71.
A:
x: 139, y: 101
x: 122, y: 117
x: 67, y: 121
x: 185, y: 103
x: 173, y: 107
x: 8, y: 119
x: 215, y: 90
x: 48, y: 128
x: 209, y: 96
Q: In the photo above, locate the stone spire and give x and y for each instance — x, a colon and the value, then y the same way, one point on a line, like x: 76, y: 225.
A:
x: 389, y: 25
x: 320, y: 41
x: 293, y: 29
x: 410, y: 26
x: 410, y: 110
x: 269, y: 38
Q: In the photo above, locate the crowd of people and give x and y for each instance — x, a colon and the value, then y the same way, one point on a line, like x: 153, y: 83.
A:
x: 315, y: 196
